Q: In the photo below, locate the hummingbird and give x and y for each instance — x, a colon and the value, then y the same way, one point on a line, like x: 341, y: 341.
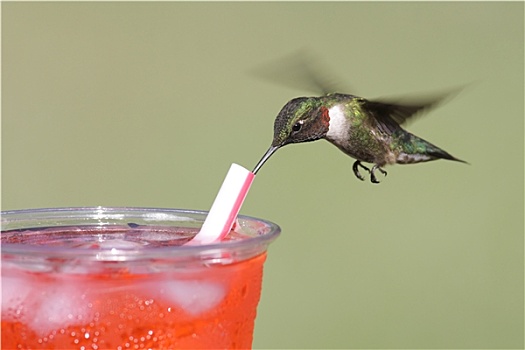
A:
x: 367, y: 130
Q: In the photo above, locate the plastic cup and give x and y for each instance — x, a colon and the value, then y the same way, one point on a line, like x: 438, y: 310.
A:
x: 122, y: 278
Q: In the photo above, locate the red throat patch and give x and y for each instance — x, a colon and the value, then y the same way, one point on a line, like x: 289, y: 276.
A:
x: 325, y: 117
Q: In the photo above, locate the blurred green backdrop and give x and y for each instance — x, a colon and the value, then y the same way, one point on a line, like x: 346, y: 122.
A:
x: 148, y: 104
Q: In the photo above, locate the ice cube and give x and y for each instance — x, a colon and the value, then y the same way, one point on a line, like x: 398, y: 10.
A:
x: 108, y: 242
x: 14, y: 292
x: 58, y: 306
x: 194, y: 296
x: 115, y: 249
x: 152, y: 236
x: 44, y: 306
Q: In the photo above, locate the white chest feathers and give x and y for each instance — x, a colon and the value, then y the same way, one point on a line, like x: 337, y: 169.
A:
x: 338, y: 129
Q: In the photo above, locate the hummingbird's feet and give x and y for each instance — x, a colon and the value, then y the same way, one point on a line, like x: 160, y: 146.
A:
x: 355, y: 168
x: 373, y: 175
x: 373, y: 178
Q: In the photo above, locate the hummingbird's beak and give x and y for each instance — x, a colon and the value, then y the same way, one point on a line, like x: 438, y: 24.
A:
x: 267, y: 155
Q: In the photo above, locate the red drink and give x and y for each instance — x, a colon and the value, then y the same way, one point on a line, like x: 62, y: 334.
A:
x: 112, y: 285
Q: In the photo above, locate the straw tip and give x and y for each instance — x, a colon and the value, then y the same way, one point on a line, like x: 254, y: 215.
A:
x: 226, y: 206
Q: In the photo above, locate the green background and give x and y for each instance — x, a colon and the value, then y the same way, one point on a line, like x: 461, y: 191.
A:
x: 148, y: 104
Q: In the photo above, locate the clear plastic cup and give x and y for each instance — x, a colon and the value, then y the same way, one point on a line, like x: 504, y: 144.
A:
x: 122, y: 278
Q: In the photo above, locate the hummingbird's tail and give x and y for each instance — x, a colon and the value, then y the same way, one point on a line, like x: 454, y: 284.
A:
x: 413, y: 149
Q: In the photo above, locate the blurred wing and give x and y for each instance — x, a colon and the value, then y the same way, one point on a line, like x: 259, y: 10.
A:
x: 400, y: 112
x: 299, y: 70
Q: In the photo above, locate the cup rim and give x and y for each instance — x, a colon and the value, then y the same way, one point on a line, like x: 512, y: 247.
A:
x: 271, y: 232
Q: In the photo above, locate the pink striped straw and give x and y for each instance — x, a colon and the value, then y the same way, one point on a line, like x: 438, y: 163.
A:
x: 226, y: 206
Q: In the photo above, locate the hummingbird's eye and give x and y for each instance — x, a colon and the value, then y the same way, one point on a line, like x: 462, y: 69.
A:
x: 297, y: 126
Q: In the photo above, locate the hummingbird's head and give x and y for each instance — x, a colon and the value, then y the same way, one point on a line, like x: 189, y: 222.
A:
x: 302, y: 119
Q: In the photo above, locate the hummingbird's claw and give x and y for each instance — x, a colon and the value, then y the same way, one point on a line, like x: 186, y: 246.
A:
x: 373, y: 175
x: 373, y: 178
x: 355, y: 168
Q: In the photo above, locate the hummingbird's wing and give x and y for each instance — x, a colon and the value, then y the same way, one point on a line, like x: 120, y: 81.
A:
x: 386, y: 112
x: 300, y: 70
x: 390, y: 114
x: 403, y: 110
